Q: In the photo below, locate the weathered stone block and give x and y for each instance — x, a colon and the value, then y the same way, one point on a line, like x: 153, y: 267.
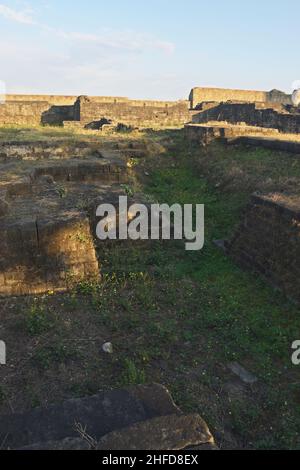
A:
x: 268, y: 248
x: 173, y: 432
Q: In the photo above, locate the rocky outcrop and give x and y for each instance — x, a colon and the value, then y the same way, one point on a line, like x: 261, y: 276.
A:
x: 174, y: 432
x: 141, y: 417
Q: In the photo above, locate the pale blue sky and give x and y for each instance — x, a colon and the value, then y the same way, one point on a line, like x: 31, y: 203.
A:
x: 157, y: 49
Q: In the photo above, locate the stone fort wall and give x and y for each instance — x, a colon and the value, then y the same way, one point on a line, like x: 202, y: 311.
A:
x: 133, y: 112
x: 55, y: 110
x: 22, y: 112
x: 201, y: 94
x: 57, y: 100
x: 251, y: 114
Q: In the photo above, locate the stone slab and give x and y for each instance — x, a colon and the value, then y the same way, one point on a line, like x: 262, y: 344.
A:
x: 174, y: 432
x: 99, y: 414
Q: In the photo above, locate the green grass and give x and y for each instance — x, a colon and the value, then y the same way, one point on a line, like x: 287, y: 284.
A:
x: 241, y: 170
x: 38, y: 133
x: 48, y: 133
x: 38, y: 320
x: 132, y: 374
x: 58, y: 352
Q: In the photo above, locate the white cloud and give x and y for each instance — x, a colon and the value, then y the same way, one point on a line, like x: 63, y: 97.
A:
x: 14, y: 15
x: 121, y: 40
x: 105, y: 61
x: 128, y: 40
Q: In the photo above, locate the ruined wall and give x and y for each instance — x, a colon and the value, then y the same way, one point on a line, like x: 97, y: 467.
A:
x: 277, y: 96
x: 46, y: 231
x: 219, y: 95
x: 55, y: 110
x: 205, y: 134
x: 40, y: 255
x: 133, y: 112
x: 22, y: 112
x: 56, y: 115
x: 36, y: 109
x: 269, y: 143
x: 55, y: 100
x: 252, y: 115
x: 268, y: 241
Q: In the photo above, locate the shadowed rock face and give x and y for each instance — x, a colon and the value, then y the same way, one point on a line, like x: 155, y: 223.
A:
x: 99, y: 414
x: 141, y: 417
x: 276, y: 117
x: 98, y: 125
x: 164, y: 433
x: 69, y: 443
x: 268, y: 240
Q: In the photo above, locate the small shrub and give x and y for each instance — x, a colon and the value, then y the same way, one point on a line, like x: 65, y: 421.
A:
x: 132, y: 375
x: 128, y: 190
x: 38, y: 320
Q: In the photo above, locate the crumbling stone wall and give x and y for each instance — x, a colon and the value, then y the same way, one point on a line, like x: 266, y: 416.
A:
x: 268, y: 241
x: 37, y: 109
x: 205, y: 134
x: 53, y: 100
x: 22, y: 112
x: 55, y: 110
x: 201, y: 94
x: 37, y: 255
x: 46, y: 194
x: 132, y: 112
x: 252, y: 115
